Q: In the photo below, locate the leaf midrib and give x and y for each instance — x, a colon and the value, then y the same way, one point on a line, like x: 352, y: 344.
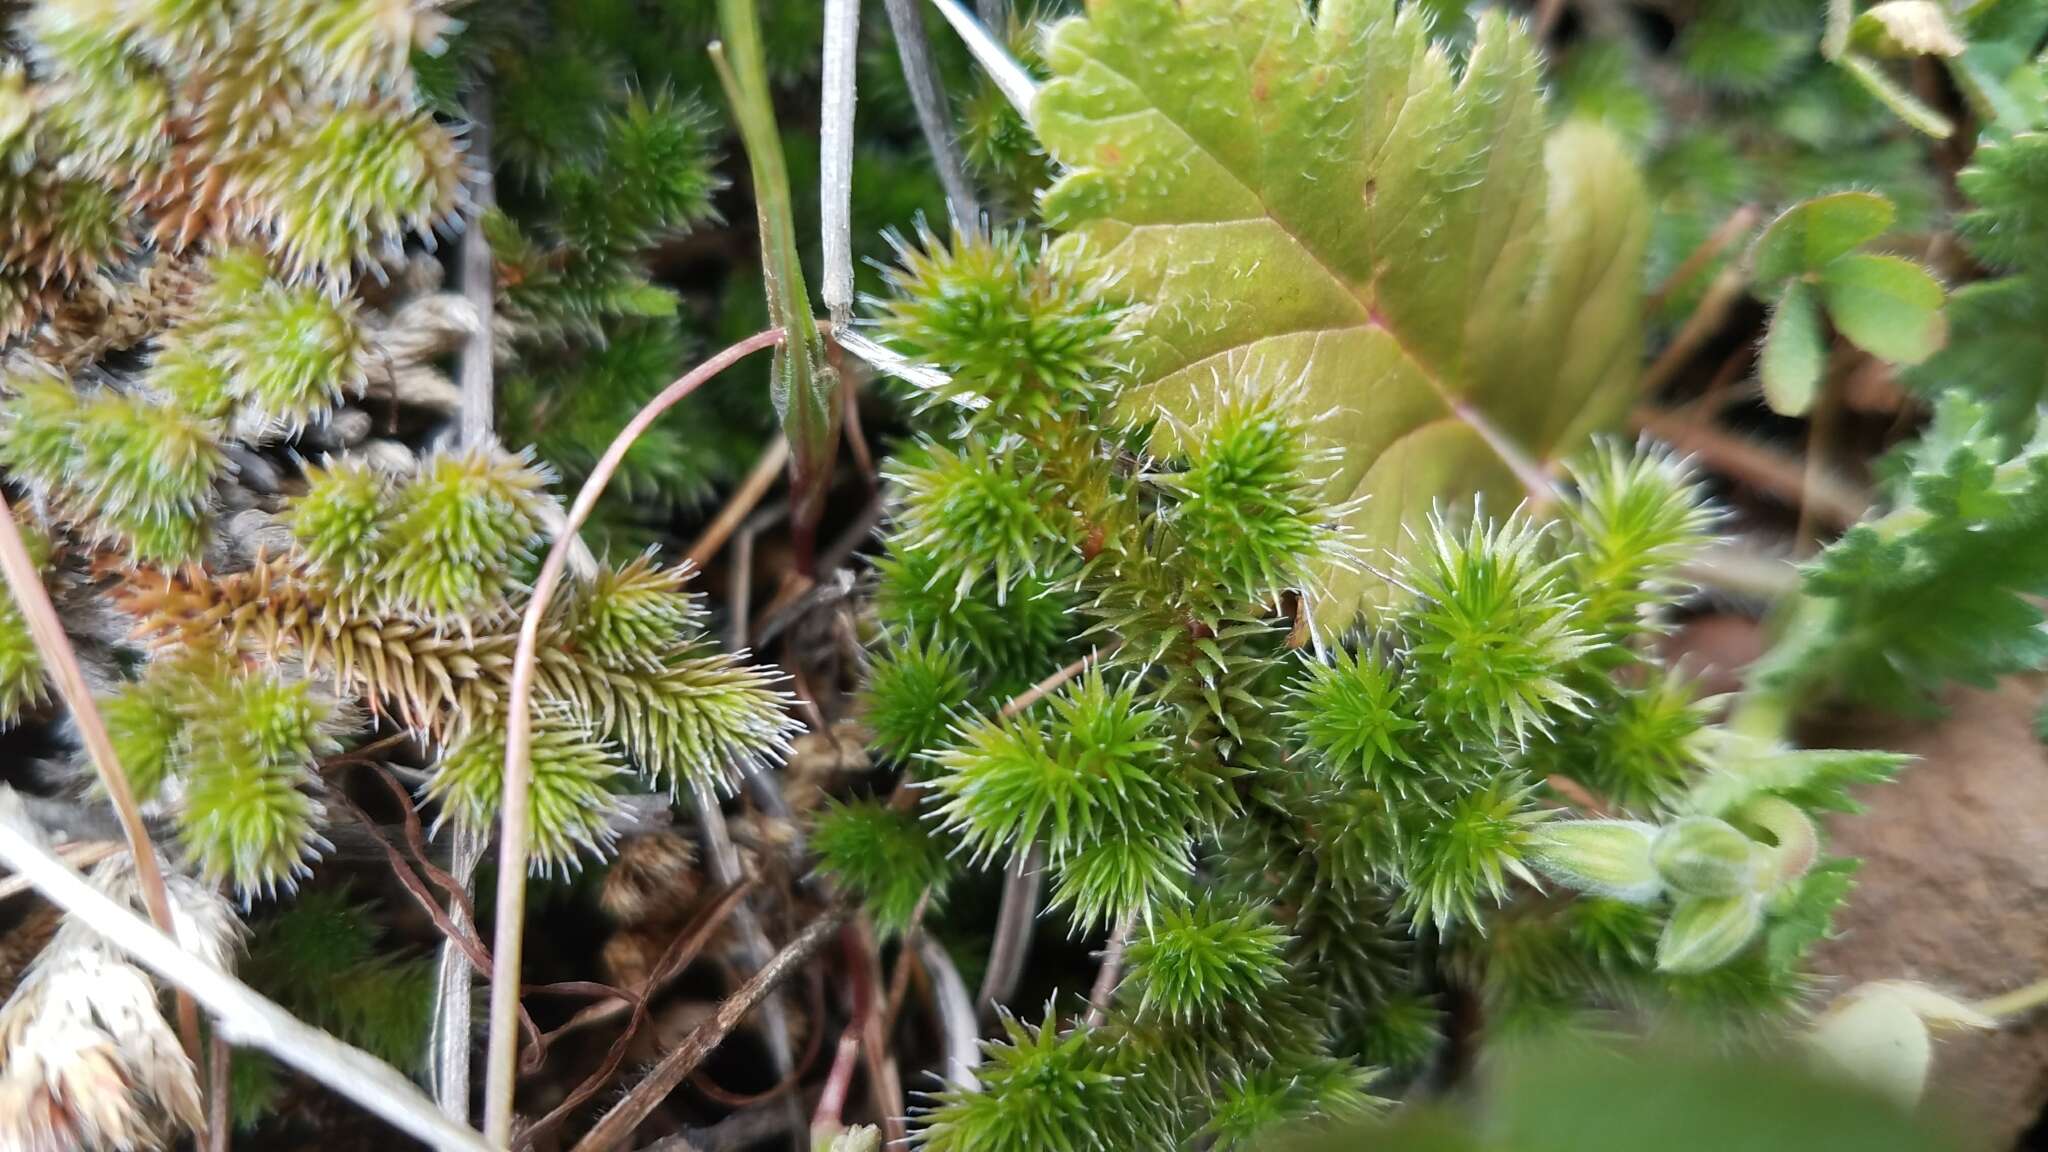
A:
x: 1365, y: 299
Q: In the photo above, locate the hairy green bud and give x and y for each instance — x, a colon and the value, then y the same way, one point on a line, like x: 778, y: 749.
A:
x: 1705, y: 932
x: 1606, y: 857
x: 914, y: 691
x: 1703, y: 856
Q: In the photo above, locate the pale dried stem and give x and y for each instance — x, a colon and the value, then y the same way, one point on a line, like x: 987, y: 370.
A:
x: 928, y: 99
x: 1010, y: 79
x: 1016, y: 915
x: 835, y: 156
x: 449, y: 1039
x: 241, y: 1015
x: 479, y: 278
x: 502, y: 1066
x: 61, y: 661
x: 80, y: 856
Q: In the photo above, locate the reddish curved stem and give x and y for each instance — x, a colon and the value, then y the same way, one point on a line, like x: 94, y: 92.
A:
x: 504, y: 1036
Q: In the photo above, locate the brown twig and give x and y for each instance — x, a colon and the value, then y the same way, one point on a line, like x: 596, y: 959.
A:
x: 499, y: 1079
x: 906, y: 956
x: 1707, y: 316
x: 885, y: 1083
x: 1577, y: 795
x: 685, y: 948
x: 767, y: 470
x: 813, y: 1045
x: 1112, y: 969
x: 220, y: 1124
x: 1046, y: 687
x: 618, y: 1124
x: 1735, y: 227
x: 1834, y: 501
x: 61, y: 660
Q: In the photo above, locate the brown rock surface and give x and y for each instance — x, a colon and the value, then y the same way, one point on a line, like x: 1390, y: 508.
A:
x: 1954, y: 886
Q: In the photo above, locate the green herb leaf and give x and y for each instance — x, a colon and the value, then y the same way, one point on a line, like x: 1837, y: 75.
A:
x: 1328, y: 200
x: 1886, y: 305
x: 1795, y: 352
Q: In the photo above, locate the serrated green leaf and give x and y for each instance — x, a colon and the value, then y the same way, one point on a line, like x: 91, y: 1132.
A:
x: 1906, y: 28
x: 1940, y: 589
x: 1997, y: 350
x: 2008, y: 181
x: 1795, y: 352
x: 1330, y: 200
x: 1886, y: 305
x: 1813, y: 233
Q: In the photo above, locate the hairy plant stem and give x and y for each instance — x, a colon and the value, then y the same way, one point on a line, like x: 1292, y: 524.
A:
x: 54, y: 645
x: 502, y: 1065
x: 2017, y: 1002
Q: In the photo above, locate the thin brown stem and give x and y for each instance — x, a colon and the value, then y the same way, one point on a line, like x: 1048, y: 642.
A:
x: 61, y: 660
x: 1112, y: 969
x: 906, y: 956
x: 502, y: 1066
x: 1735, y: 227
x: 1720, y: 298
x: 1834, y: 500
x: 885, y: 1082
x: 767, y: 470
x: 1046, y: 687
x: 617, y: 1125
x: 680, y: 953
x: 220, y: 1124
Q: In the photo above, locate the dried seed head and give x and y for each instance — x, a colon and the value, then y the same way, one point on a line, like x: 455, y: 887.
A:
x: 87, y: 1060
x: 655, y: 877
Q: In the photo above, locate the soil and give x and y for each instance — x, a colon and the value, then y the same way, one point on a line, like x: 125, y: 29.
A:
x: 1954, y: 889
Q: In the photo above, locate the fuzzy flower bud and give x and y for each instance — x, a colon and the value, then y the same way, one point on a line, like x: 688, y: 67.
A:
x: 1702, y: 856
x: 1704, y: 932
x: 1609, y: 858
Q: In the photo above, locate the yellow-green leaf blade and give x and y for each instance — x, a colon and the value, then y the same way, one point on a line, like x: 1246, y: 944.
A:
x: 1328, y: 200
